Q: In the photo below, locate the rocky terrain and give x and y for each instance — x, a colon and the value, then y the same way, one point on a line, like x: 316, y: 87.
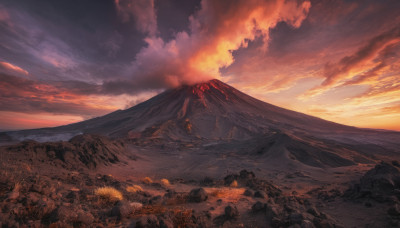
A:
x: 57, y: 185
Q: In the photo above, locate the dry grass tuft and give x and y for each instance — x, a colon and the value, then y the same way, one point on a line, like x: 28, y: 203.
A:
x: 234, y: 184
x: 165, y: 182
x: 147, y: 180
x: 134, y: 188
x: 109, y: 194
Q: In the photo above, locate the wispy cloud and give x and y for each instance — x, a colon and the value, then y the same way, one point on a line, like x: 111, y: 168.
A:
x: 10, y: 67
x: 360, y: 65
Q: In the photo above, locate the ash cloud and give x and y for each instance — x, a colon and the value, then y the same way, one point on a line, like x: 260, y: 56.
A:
x: 215, y: 31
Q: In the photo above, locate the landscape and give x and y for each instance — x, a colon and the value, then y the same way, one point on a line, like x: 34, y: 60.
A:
x: 170, y: 123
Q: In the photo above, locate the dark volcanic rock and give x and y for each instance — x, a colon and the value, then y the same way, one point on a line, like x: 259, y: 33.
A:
x: 258, y: 206
x: 207, y: 181
x: 198, y: 195
x: 248, y: 192
x: 259, y: 194
x: 379, y: 183
x: 89, y: 150
x: 122, y: 210
x: 295, y: 218
x: 244, y: 174
x: 149, y: 221
x: 231, y: 212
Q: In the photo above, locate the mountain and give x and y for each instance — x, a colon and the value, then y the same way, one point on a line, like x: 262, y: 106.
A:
x: 210, y: 110
x: 214, y: 112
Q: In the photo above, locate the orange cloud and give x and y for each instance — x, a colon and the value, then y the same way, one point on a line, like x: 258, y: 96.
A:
x: 358, y: 67
x: 14, y: 68
x: 28, y: 96
x: 17, y: 120
x: 216, y: 30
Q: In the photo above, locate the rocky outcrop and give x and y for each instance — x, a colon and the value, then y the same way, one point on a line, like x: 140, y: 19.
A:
x: 382, y: 183
x: 87, y: 150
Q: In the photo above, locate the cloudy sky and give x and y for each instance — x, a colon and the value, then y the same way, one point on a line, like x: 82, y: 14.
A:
x: 69, y: 60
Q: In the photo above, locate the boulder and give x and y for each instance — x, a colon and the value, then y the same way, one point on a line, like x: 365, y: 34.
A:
x: 259, y: 194
x: 248, y: 192
x: 295, y: 218
x: 198, y: 195
x: 122, y: 210
x: 258, y: 206
x: 149, y: 221
x: 231, y: 212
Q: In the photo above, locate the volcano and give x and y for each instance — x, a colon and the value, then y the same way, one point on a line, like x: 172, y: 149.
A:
x: 212, y: 110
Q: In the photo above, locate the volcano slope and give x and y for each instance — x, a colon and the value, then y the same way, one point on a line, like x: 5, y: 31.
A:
x: 214, y: 112
x: 191, y: 137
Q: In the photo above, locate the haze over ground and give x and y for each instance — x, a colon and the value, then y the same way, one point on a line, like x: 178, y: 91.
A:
x: 65, y: 61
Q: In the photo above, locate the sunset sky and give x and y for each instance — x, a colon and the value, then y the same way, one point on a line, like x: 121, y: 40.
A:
x: 69, y: 60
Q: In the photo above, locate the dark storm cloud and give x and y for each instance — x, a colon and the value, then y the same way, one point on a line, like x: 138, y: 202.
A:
x: 67, y: 39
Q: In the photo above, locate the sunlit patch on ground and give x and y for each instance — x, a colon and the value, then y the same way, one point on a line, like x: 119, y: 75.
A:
x: 227, y: 194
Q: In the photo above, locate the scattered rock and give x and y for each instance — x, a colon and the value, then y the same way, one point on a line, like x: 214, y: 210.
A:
x: 122, y: 210
x: 63, y: 214
x: 156, y: 200
x: 276, y: 222
x: 295, y: 218
x: 259, y: 194
x: 231, y: 212
x: 166, y: 223
x: 198, y: 195
x: 271, y: 211
x: 85, y: 217
x: 229, y: 179
x: 378, y: 183
x: 307, y: 224
x: 323, y: 223
x: 207, y: 181
x: 248, y: 192
x: 313, y: 211
x: 244, y: 174
x: 258, y: 206
x: 149, y: 221
x: 14, y: 194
